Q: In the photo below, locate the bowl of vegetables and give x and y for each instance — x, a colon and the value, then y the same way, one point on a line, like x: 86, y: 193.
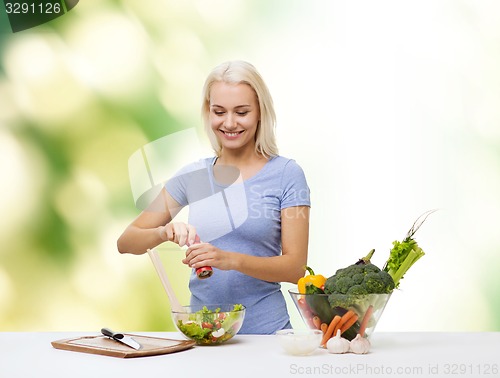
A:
x: 209, y: 324
x: 351, y: 301
x: 351, y: 314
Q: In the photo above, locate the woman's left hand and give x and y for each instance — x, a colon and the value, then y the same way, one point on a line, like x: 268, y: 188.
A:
x: 205, y: 254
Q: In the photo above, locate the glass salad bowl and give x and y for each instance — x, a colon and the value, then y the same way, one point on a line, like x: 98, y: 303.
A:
x: 364, y: 311
x: 209, y: 324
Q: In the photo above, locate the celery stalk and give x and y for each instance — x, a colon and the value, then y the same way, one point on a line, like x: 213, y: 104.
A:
x: 404, y: 254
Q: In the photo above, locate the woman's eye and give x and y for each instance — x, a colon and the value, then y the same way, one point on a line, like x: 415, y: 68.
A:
x: 222, y: 112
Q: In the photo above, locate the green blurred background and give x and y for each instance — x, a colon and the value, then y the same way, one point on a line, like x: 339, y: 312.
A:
x: 390, y: 107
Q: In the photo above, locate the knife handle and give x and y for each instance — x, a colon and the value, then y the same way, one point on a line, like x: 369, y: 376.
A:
x: 110, y: 333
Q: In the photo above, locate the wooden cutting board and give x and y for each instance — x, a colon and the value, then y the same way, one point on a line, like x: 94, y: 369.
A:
x: 151, y: 346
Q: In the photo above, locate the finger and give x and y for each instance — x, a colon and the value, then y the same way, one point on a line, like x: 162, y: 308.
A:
x: 191, y: 234
x: 202, y: 263
x: 181, y: 233
x: 170, y: 232
x: 189, y: 260
x: 190, y: 252
x: 195, y: 254
x: 197, y: 249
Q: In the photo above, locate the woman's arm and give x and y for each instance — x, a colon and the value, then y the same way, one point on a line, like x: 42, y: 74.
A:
x: 154, y: 226
x: 288, y: 267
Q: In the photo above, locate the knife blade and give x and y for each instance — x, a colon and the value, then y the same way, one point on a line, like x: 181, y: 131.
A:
x: 120, y: 337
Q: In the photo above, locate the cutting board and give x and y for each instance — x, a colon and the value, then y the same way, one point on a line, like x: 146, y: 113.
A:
x: 151, y: 346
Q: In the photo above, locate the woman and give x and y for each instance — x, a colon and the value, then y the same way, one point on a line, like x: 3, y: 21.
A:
x: 264, y: 237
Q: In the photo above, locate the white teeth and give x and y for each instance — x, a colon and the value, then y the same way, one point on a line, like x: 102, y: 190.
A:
x: 230, y: 134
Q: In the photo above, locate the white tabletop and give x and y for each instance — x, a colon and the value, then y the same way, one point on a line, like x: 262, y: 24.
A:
x: 27, y: 355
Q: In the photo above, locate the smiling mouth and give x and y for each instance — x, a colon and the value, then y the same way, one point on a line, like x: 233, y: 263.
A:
x: 231, y: 134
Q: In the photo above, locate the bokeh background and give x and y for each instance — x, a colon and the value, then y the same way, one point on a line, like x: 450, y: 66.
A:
x: 391, y: 108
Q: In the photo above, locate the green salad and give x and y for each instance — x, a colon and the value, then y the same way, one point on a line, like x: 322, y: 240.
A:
x: 211, y: 327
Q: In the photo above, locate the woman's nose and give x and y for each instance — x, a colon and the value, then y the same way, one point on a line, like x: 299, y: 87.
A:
x: 229, y: 122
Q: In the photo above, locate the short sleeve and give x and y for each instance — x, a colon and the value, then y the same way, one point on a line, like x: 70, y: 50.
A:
x: 190, y: 183
x: 176, y: 187
x: 294, y: 186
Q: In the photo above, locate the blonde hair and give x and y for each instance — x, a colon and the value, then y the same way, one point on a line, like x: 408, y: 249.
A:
x: 240, y: 72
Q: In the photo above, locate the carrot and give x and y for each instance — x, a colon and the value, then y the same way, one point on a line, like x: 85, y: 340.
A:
x: 348, y: 324
x: 317, y: 322
x: 329, y: 331
x: 342, y: 321
x: 364, y: 322
x: 324, y: 327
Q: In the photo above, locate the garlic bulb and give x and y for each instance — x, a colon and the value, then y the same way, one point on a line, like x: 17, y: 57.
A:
x: 360, y: 345
x: 337, y: 344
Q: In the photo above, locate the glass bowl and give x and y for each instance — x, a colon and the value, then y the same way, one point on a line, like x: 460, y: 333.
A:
x: 209, y: 324
x: 299, y: 342
x: 367, y: 309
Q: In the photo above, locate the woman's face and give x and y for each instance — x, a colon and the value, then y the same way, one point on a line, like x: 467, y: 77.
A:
x: 234, y: 115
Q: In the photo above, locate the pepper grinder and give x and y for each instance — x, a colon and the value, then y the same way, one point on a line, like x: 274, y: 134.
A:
x: 204, y: 271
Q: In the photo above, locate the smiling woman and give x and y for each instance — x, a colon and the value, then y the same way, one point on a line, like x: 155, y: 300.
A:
x: 254, y: 227
x: 234, y: 115
x: 255, y: 105
x: 366, y: 97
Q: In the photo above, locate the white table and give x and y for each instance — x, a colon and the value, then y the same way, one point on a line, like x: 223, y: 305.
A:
x: 27, y: 355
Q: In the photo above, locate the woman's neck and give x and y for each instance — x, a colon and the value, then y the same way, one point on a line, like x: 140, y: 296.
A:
x: 248, y: 163
x: 240, y: 158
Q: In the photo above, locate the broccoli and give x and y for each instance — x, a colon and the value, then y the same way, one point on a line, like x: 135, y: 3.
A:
x: 360, y: 279
x: 351, y: 287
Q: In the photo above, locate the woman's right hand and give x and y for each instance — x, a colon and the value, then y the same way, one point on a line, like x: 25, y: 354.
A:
x: 179, y: 233
x: 154, y: 226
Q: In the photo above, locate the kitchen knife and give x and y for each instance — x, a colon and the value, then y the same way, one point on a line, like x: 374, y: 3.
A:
x: 127, y: 340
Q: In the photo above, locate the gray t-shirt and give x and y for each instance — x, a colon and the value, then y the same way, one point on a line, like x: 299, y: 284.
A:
x: 244, y: 217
